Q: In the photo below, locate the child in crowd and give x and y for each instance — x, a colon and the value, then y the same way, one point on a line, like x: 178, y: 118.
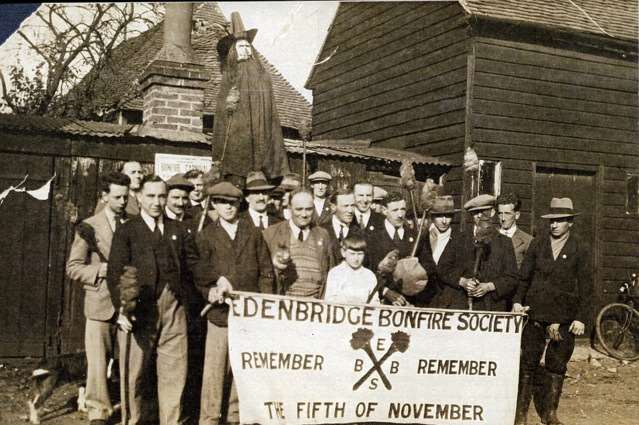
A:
x: 349, y: 282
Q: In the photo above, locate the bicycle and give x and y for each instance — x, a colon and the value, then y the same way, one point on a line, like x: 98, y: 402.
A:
x: 617, y: 323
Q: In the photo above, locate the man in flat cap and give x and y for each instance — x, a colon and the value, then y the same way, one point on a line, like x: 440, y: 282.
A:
x: 556, y: 291
x: 258, y: 192
x: 378, y: 197
x: 247, y: 130
x: 340, y: 224
x: 177, y: 200
x: 162, y: 252
x: 508, y: 206
x: 233, y: 256
x: 302, y: 254
x: 489, y: 273
x: 367, y: 219
x: 319, y: 182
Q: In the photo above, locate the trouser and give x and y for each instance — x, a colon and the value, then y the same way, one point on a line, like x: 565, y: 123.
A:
x: 218, y: 384
x: 158, y: 347
x: 98, y: 343
x: 558, y: 353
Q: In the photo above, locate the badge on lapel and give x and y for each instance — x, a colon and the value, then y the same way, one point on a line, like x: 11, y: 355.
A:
x: 173, y: 237
x: 564, y: 256
x: 410, y: 239
x: 371, y: 227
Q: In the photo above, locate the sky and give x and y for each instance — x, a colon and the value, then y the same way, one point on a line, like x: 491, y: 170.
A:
x: 290, y: 34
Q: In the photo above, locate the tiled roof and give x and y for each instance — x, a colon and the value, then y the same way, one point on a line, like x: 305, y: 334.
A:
x: 363, y: 151
x: 120, y: 89
x: 609, y: 18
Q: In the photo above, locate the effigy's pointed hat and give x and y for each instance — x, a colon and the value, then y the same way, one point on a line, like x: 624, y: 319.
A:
x: 237, y: 32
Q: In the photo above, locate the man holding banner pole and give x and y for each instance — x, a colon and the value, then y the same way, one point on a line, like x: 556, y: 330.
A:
x: 233, y: 256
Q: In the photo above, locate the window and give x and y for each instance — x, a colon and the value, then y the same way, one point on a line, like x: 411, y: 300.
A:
x: 487, y: 179
x: 632, y: 193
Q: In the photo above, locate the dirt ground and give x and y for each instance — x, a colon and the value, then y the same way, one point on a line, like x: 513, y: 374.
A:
x: 597, y: 392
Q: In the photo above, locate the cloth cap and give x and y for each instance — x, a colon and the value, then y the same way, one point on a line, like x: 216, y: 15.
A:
x: 481, y: 202
x: 256, y: 181
x: 225, y: 190
x: 320, y: 176
x: 443, y: 205
x: 291, y: 181
x: 178, y: 181
x: 378, y: 193
x: 237, y: 32
x: 560, y: 208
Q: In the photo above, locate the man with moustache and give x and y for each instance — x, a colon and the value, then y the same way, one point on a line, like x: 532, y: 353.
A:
x: 365, y: 218
x: 257, y: 192
x: 556, y: 291
x: 163, y: 252
x: 290, y: 182
x: 308, y: 248
x: 508, y: 206
x: 177, y: 200
x: 86, y: 266
x: 319, y: 182
x: 134, y: 171
x: 233, y: 256
x: 340, y: 225
x: 496, y: 280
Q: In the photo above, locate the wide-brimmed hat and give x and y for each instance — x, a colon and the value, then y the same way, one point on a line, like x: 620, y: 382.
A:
x: 291, y: 181
x: 443, y: 205
x: 225, y: 190
x: 480, y: 202
x: 256, y: 182
x: 560, y: 208
x: 237, y: 32
x: 178, y: 181
x: 320, y: 176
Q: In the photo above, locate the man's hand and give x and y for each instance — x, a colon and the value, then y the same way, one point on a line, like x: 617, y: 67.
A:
x: 468, y: 284
x: 553, y: 332
x: 102, y: 272
x: 395, y: 297
x: 124, y: 323
x: 518, y: 308
x: 577, y: 327
x: 216, y: 294
x: 482, y: 289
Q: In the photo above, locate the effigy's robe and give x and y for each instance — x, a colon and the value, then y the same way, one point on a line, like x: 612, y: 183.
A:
x: 255, y: 139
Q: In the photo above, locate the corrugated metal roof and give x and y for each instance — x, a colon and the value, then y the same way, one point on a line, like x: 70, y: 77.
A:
x: 369, y: 153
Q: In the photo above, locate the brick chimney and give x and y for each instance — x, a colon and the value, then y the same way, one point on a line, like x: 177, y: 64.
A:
x: 173, y: 84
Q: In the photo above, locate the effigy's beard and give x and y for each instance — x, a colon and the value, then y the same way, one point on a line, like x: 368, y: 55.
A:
x: 247, y: 69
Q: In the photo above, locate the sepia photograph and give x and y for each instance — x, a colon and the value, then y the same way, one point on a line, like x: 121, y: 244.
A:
x: 319, y: 212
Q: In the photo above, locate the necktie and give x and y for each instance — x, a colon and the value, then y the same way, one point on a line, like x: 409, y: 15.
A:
x: 361, y: 221
x: 116, y: 223
x: 156, y: 232
x: 340, y: 237
x: 396, y: 238
x: 261, y: 225
x: 300, y: 236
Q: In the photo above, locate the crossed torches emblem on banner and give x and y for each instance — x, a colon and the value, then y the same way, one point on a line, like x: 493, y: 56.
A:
x: 361, y: 340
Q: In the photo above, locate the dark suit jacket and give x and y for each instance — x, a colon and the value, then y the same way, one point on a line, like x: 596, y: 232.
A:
x: 245, y: 262
x: 131, y: 246
x: 557, y: 291
x: 521, y: 241
x: 498, y: 265
x: 272, y: 219
x: 325, y: 216
x: 443, y: 277
x: 335, y: 243
x: 375, y: 221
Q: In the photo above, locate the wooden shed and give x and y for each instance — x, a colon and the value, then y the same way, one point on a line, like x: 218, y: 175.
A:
x: 544, y: 92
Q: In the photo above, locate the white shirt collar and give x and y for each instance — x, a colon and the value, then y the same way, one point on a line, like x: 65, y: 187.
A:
x: 337, y: 224
x: 296, y: 230
x: 173, y: 216
x: 319, y: 204
x: 150, y: 221
x: 255, y: 216
x: 390, y: 229
x: 363, y: 218
x: 510, y: 232
x: 230, y: 228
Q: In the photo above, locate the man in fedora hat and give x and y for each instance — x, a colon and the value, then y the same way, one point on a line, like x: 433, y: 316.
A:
x: 489, y: 270
x: 319, y: 182
x: 177, y: 200
x: 442, y: 256
x: 247, y: 130
x: 556, y: 291
x: 290, y: 182
x: 233, y: 256
x: 257, y: 192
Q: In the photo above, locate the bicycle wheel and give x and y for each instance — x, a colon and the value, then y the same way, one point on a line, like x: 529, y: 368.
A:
x: 618, y: 331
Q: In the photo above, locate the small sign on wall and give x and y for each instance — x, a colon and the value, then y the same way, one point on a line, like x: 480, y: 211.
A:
x: 167, y: 165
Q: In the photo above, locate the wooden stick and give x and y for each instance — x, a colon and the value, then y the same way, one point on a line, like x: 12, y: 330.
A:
x: 419, y: 234
x: 205, y: 212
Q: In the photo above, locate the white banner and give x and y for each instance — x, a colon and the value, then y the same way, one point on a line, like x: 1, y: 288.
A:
x: 168, y: 165
x: 301, y: 361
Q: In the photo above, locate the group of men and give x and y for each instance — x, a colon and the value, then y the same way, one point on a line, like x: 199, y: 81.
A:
x: 285, y: 240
